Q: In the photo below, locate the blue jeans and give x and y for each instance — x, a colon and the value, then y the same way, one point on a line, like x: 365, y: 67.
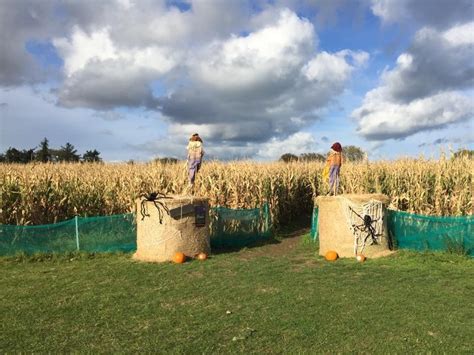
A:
x: 193, y: 168
x: 334, y: 178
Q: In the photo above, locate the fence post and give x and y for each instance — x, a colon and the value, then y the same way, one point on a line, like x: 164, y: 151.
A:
x: 77, y: 232
x: 314, y: 224
x: 266, y: 210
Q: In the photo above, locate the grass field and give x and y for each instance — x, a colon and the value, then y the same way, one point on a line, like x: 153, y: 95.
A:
x: 277, y: 298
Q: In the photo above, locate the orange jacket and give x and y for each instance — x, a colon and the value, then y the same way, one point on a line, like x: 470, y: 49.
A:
x: 334, y: 158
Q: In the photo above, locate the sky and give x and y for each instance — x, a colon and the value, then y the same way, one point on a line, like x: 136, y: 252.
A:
x: 255, y: 78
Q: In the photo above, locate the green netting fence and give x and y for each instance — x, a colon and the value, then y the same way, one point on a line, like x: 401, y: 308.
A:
x: 229, y: 228
x: 314, y: 224
x: 417, y: 232
x: 424, y: 233
x: 117, y: 233
x: 238, y: 228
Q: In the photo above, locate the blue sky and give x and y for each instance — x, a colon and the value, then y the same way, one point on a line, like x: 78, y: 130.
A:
x: 134, y: 78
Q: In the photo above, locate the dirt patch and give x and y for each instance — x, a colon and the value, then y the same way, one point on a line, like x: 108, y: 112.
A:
x: 284, y: 246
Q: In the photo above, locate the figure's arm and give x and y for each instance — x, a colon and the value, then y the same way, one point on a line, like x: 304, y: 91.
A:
x: 187, y: 152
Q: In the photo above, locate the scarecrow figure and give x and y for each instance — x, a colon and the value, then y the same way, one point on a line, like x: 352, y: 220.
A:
x: 195, y: 154
x: 333, y: 167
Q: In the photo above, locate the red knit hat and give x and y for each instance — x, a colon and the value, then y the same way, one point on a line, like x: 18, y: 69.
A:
x: 337, y: 147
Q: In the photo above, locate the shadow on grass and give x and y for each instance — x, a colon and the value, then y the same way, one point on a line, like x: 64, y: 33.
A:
x: 22, y: 257
x: 292, y: 230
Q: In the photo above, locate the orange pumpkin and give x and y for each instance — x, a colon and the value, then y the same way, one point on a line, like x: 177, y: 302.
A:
x: 331, y: 255
x: 201, y: 256
x: 360, y: 258
x: 179, y: 258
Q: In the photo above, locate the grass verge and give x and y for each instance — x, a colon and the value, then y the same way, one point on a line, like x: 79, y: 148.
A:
x: 233, y: 302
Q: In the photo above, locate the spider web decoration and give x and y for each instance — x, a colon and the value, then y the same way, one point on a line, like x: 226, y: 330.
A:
x: 365, y: 222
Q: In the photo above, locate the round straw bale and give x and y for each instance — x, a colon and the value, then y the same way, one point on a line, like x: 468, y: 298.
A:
x: 335, y: 228
x: 177, y: 232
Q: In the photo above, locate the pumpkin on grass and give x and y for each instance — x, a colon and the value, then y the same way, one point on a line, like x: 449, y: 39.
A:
x: 331, y: 255
x: 360, y: 258
x: 201, y: 256
x: 179, y: 258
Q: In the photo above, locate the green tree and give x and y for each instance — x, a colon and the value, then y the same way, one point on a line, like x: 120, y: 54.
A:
x: 13, y: 155
x: 288, y: 157
x: 166, y: 160
x: 464, y: 153
x: 312, y: 157
x: 91, y: 156
x: 68, y: 153
x: 353, y: 153
x: 28, y: 155
x: 54, y: 155
x: 44, y: 155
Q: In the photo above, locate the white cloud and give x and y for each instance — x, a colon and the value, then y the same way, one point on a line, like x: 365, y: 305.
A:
x: 126, y: 4
x: 433, y: 13
x: 404, y: 61
x: 101, y: 75
x: 380, y: 119
x: 390, y: 11
x: 236, y: 75
x: 326, y: 67
x: 298, y: 143
x: 240, y: 62
x: 460, y: 35
x: 84, y: 49
x: 269, y: 82
x: 427, y: 88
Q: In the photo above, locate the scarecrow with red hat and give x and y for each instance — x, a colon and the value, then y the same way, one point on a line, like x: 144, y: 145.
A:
x: 334, y: 162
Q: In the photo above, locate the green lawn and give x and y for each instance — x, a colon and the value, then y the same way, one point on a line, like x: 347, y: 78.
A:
x: 246, y: 301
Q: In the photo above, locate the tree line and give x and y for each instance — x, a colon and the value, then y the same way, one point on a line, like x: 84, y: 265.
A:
x: 351, y: 153
x: 44, y: 153
x: 354, y: 154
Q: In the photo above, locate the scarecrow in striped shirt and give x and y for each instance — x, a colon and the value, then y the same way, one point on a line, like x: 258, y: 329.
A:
x: 195, y: 154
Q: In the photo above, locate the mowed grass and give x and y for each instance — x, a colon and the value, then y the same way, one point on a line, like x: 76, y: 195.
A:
x: 244, y: 301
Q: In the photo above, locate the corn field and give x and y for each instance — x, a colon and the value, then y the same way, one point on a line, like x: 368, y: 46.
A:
x: 47, y: 193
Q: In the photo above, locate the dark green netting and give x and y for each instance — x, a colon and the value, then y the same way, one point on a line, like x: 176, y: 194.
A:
x: 416, y: 232
x: 118, y: 233
x: 108, y: 234
x: 421, y: 233
x: 91, y: 234
x: 314, y: 224
x: 58, y: 237
x: 238, y: 228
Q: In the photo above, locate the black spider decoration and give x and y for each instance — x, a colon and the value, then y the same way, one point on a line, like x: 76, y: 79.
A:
x: 154, y: 197
x: 366, y: 227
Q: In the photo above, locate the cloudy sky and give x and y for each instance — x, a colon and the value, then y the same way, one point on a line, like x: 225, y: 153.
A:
x: 134, y: 78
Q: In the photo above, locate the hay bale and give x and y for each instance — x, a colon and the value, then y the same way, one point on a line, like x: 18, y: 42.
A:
x: 336, y: 221
x: 178, y: 232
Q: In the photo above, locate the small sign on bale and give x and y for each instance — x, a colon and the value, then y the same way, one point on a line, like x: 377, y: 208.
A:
x: 200, y: 215
x: 181, y: 211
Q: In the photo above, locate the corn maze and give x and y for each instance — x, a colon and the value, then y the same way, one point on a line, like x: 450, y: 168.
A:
x: 47, y: 193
